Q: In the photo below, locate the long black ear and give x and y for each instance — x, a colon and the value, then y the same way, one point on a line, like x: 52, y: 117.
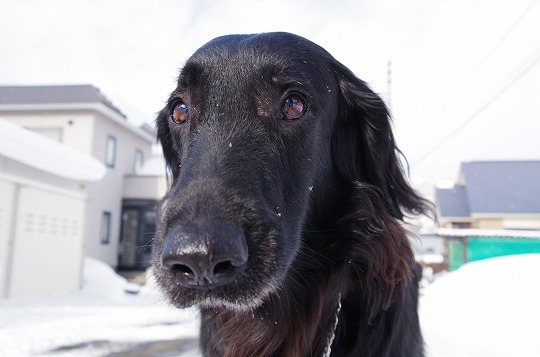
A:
x: 364, y: 148
x: 164, y: 137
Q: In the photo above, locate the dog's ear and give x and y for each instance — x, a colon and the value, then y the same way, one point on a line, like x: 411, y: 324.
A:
x: 164, y: 137
x: 363, y: 145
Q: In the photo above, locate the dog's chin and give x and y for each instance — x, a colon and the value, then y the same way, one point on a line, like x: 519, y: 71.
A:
x: 237, y: 300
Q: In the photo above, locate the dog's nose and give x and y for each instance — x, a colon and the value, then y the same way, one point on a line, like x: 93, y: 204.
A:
x: 204, y: 258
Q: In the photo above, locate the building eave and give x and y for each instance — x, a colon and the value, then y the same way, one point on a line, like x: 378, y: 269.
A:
x: 97, y: 107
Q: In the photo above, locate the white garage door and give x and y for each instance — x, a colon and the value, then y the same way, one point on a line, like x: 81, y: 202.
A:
x: 6, y: 207
x: 47, y: 254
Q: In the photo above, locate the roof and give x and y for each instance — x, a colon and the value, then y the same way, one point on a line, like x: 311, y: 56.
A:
x: 84, y: 93
x: 452, y: 202
x: 493, y: 187
x: 40, y: 152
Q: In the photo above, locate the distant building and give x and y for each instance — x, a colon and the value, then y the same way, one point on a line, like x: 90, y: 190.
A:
x: 492, y: 195
x: 120, y: 208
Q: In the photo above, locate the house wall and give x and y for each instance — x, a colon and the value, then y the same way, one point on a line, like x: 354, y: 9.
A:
x: 106, y: 195
x: 144, y: 187
x: 508, y: 222
x: 530, y: 223
x: 500, y: 222
x: 495, y: 223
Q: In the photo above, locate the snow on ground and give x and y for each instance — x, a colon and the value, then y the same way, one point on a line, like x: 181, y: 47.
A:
x: 488, y: 308
x: 100, y: 319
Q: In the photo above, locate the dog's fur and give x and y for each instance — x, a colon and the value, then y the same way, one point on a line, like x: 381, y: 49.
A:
x: 310, y: 208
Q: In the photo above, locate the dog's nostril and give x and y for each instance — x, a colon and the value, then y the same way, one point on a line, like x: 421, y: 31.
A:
x: 180, y: 269
x: 223, y: 268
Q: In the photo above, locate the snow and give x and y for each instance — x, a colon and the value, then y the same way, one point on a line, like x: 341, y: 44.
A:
x: 487, y: 308
x: 99, y: 319
x: 475, y: 232
x: 46, y: 154
x: 432, y: 258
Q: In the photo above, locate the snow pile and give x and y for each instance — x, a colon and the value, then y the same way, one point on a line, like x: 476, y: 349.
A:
x: 488, y: 308
x: 101, y: 281
x: 485, y: 309
x: 102, y: 313
x: 37, y: 151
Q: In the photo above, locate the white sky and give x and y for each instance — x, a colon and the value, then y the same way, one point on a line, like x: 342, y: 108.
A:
x: 467, y: 65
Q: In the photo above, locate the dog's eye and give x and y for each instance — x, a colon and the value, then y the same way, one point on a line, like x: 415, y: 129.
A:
x: 294, y: 107
x: 180, y: 113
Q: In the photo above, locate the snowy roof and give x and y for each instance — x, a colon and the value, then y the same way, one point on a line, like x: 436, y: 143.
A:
x: 493, y: 187
x: 40, y: 152
x: 501, y: 233
x: 84, y: 93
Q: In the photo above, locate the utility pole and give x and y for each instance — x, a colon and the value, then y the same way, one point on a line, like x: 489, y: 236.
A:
x: 389, y: 77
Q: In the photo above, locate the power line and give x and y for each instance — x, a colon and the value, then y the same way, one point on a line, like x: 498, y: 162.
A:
x: 475, y: 115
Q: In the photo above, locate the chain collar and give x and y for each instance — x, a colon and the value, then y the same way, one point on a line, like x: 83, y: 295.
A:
x: 332, y: 334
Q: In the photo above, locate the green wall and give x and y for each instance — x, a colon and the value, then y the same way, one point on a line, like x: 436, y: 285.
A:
x: 488, y: 247
x: 483, y: 248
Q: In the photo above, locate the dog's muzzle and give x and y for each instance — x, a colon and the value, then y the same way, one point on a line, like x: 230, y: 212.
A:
x: 204, y: 257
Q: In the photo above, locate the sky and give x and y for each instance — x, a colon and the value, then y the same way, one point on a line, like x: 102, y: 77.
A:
x: 462, y: 78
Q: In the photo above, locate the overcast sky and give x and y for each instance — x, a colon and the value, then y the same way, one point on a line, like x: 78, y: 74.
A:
x: 465, y: 75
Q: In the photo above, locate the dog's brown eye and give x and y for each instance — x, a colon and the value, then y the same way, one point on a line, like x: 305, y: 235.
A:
x: 294, y: 107
x: 180, y: 113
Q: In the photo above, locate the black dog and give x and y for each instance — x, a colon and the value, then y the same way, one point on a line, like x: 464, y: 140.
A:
x: 283, y: 220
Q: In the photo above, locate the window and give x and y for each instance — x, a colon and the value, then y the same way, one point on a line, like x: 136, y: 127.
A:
x: 139, y: 160
x: 110, y: 151
x: 105, y: 231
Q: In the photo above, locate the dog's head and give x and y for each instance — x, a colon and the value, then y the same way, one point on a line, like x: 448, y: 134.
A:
x: 259, y: 134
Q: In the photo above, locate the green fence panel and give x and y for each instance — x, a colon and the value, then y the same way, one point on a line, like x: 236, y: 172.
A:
x: 489, y: 247
x: 455, y: 254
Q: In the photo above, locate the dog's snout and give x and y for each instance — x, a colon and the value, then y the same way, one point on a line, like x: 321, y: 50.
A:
x: 204, y: 258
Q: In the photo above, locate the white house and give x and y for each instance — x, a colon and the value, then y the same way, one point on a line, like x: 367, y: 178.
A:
x: 43, y: 190
x: 119, y: 211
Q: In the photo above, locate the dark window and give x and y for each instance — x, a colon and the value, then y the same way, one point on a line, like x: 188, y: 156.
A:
x: 105, y: 232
